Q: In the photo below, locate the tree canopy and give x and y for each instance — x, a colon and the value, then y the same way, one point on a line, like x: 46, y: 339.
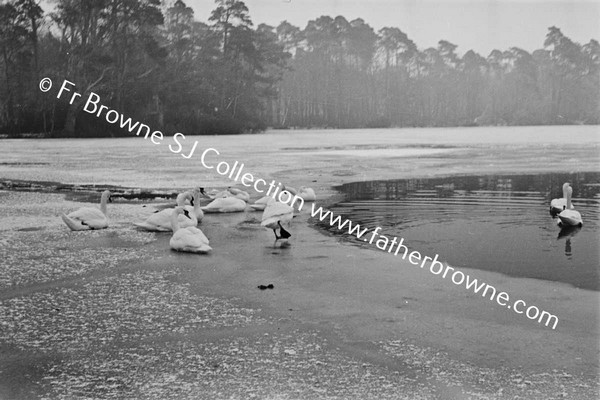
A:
x: 157, y: 63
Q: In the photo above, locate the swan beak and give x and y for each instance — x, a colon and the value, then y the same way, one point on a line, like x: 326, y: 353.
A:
x: 192, y: 201
x: 110, y: 199
x: 187, y: 214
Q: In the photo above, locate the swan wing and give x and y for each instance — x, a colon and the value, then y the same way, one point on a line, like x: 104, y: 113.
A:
x: 570, y: 217
x: 86, y: 214
x: 558, y: 203
x: 97, y: 223
x: 308, y: 194
x: 225, y: 204
x: 191, y: 240
x: 262, y: 203
x: 74, y: 224
x: 197, y: 234
x: 276, y: 212
x: 85, y: 218
x: 161, y: 221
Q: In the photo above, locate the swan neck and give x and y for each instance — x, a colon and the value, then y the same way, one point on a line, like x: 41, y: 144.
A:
x: 181, y: 199
x: 103, y: 201
x: 196, y: 204
x: 568, y: 199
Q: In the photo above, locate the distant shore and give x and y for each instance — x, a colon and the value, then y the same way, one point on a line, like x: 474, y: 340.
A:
x: 59, y: 135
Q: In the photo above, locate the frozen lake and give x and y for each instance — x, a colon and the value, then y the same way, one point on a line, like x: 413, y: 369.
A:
x: 303, y: 155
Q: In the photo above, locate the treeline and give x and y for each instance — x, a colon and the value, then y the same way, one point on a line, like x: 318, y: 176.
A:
x: 149, y: 61
x: 156, y: 63
x: 343, y: 74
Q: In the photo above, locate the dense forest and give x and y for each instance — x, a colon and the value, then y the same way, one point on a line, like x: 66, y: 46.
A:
x: 155, y: 62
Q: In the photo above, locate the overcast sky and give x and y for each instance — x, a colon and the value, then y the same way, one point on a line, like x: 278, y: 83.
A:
x: 481, y: 25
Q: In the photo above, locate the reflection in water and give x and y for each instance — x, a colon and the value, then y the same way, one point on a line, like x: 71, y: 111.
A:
x: 567, y: 232
x: 498, y: 223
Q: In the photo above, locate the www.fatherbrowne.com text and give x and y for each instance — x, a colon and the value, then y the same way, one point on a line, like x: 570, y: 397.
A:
x: 396, y: 247
x: 93, y: 106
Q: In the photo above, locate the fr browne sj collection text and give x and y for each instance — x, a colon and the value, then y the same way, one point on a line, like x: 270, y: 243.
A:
x: 93, y: 106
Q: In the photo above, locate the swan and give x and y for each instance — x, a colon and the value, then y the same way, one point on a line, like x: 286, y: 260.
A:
x: 568, y: 216
x: 261, y: 203
x: 240, y: 194
x: 161, y: 221
x: 224, y: 205
x: 557, y: 205
x: 215, y: 194
x: 308, y: 194
x: 89, y: 217
x: 189, y: 239
x: 274, y: 215
x: 229, y: 192
x: 195, y: 204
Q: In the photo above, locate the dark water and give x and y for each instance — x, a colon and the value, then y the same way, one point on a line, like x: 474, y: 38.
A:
x: 499, y: 223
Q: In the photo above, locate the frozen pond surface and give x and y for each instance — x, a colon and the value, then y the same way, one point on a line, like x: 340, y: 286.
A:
x: 302, y: 156
x: 116, y: 314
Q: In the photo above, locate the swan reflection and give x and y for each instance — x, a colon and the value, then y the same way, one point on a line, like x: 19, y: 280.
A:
x: 567, y: 232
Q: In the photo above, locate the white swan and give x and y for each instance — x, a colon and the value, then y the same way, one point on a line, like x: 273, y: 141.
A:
x: 568, y: 216
x: 261, y: 204
x: 229, y: 192
x: 216, y: 194
x: 308, y: 194
x: 161, y: 221
x: 557, y: 205
x: 225, y: 205
x: 275, y: 215
x: 189, y: 239
x: 195, y: 205
x: 240, y: 194
x: 89, y: 217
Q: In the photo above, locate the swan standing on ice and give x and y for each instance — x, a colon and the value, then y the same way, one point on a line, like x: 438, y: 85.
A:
x: 161, y: 220
x: 274, y: 215
x: 225, y: 205
x: 89, y: 217
x: 557, y: 205
x: 568, y: 216
x: 189, y: 239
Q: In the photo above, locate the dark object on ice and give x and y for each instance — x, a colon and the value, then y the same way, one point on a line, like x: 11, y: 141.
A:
x: 263, y: 287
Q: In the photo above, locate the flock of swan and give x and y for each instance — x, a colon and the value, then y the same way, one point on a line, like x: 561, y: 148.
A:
x: 183, y: 219
x: 564, y: 209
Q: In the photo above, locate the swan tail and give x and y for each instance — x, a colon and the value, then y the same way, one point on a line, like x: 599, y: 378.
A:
x: 73, y: 224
